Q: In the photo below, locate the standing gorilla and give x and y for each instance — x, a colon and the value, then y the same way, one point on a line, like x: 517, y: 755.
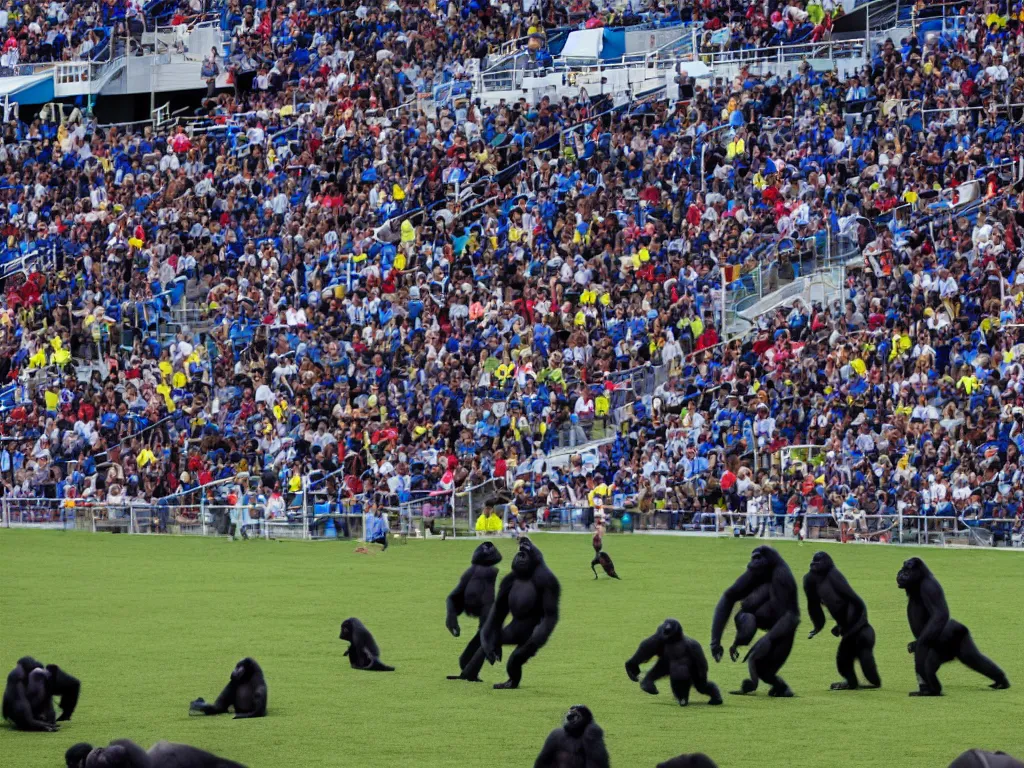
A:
x: 579, y: 743
x: 768, y: 591
x: 28, y: 696
x: 123, y: 753
x: 362, y: 652
x: 939, y: 639
x: 246, y: 691
x: 530, y: 593
x: 474, y: 596
x: 680, y: 658
x: 824, y: 583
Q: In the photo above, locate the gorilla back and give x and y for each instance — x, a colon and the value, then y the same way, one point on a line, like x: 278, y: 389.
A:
x: 531, y: 594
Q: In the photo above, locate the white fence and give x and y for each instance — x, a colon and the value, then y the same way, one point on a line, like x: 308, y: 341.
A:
x: 421, y: 518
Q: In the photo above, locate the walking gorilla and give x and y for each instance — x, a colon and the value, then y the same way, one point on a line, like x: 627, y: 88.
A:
x: 768, y: 591
x: 824, y: 583
x: 28, y: 696
x: 579, y: 743
x: 695, y: 760
x: 246, y: 691
x: 530, y: 592
x: 680, y: 658
x: 938, y: 638
x: 474, y: 596
x: 123, y: 753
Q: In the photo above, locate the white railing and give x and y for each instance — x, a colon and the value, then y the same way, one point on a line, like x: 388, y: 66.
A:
x: 826, y: 49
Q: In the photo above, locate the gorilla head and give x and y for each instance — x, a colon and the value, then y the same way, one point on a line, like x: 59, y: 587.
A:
x: 576, y: 720
x: 244, y: 670
x: 695, y: 760
x: 762, y: 560
x: 347, y: 628
x: 821, y: 564
x: 527, y: 559
x: 911, y: 574
x: 114, y: 756
x: 671, y: 630
x: 27, y: 663
x: 486, y: 554
x: 76, y: 755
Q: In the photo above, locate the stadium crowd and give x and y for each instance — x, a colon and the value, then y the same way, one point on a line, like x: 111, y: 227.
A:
x: 411, y: 301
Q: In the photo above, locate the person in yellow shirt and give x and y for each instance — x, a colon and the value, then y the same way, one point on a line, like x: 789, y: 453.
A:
x: 481, y: 524
x: 494, y: 523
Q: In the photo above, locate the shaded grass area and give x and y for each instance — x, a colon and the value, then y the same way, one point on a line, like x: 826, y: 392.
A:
x: 150, y: 623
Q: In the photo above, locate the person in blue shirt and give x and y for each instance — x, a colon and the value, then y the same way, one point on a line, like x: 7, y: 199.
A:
x: 377, y: 528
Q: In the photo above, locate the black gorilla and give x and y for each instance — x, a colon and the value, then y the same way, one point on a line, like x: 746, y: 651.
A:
x: 824, y: 583
x: 246, y: 692
x: 362, y: 652
x: 605, y: 561
x: 530, y: 593
x: 474, y: 596
x: 28, y: 696
x: 695, y: 760
x: 123, y: 753
x: 939, y: 639
x: 579, y: 743
x: 680, y: 658
x: 977, y: 758
x: 768, y: 591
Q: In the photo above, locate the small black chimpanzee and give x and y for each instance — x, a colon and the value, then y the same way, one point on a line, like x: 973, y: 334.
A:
x: 28, y: 696
x: 601, y: 558
x: 680, y: 658
x: 246, y: 692
x: 362, y: 652
x: 579, y: 743
x: 768, y: 591
x: 474, y: 596
x: 530, y: 592
x: 938, y: 638
x: 824, y: 583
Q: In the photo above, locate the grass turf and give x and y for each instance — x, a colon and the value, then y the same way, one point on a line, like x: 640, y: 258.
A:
x: 150, y: 623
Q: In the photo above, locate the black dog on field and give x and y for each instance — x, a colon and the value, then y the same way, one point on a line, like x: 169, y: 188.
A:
x: 602, y: 558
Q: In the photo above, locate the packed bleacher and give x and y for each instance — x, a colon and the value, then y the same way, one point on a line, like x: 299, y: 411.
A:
x: 320, y: 284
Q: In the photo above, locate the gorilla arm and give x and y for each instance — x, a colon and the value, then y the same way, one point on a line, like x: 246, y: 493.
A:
x: 647, y: 650
x: 455, y: 603
x: 551, y: 591
x: 934, y: 599
x: 490, y: 635
x: 814, y: 604
x: 740, y: 589
x: 67, y: 687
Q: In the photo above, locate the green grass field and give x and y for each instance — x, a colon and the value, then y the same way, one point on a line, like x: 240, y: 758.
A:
x: 150, y: 623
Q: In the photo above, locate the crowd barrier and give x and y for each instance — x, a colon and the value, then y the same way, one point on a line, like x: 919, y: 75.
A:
x: 426, y: 517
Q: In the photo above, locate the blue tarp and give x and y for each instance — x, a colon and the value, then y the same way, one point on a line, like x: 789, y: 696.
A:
x: 614, y: 44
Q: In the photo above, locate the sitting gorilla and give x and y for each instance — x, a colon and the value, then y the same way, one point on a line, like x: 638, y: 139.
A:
x: 579, y: 743
x: 824, y: 583
x: 123, y: 753
x: 363, y: 652
x: 680, y: 658
x: 246, y: 692
x: 938, y: 638
x: 474, y: 596
x: 530, y: 593
x: 28, y: 696
x: 695, y: 760
x: 768, y: 591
